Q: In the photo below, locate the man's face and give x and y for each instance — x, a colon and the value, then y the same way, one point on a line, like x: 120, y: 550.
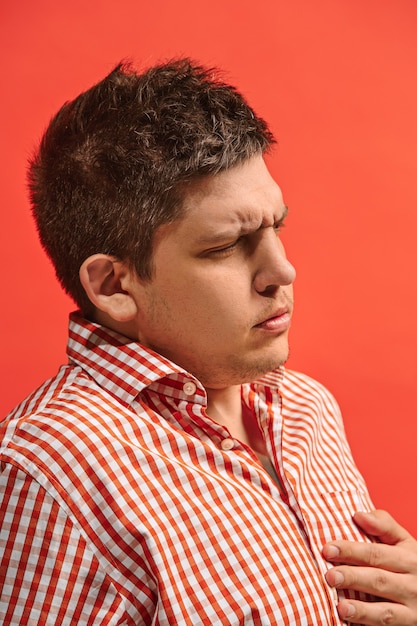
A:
x: 220, y: 300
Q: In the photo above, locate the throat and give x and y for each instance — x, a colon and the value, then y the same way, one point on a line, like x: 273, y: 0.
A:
x: 266, y: 463
x: 226, y: 408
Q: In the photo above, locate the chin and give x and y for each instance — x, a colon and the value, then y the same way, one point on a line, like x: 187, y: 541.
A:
x: 273, y: 363
x: 258, y: 369
x: 238, y: 370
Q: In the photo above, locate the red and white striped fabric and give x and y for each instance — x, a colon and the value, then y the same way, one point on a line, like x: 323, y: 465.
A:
x: 122, y: 502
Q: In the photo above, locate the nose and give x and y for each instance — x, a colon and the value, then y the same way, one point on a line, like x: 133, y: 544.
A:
x: 272, y: 268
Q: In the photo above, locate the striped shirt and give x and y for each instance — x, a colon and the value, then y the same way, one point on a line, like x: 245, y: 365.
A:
x: 123, y: 503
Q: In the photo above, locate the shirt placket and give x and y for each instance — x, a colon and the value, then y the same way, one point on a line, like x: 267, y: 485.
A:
x: 270, y: 419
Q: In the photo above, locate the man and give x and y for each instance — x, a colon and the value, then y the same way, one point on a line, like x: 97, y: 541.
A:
x: 174, y: 472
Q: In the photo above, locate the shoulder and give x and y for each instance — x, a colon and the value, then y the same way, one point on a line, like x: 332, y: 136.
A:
x: 296, y: 384
x: 302, y: 395
x: 68, y: 436
x: 72, y: 391
x: 60, y: 425
x: 36, y: 402
x: 300, y: 385
x: 306, y: 398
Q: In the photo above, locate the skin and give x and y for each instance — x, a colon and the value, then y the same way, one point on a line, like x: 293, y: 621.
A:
x: 219, y: 304
x: 387, y: 569
x: 205, y: 314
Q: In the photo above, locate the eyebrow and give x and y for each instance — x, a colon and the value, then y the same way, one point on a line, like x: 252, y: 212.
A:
x: 225, y: 235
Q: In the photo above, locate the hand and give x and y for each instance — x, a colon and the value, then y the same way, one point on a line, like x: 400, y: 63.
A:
x: 387, y: 569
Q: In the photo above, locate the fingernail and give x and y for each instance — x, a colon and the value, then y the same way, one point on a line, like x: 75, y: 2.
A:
x: 349, y: 611
x: 368, y: 514
x: 332, y: 552
x: 338, y: 579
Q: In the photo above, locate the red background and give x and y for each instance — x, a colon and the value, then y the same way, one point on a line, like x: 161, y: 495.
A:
x: 337, y: 81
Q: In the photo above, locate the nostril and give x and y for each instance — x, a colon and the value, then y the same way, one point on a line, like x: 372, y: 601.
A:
x: 269, y: 290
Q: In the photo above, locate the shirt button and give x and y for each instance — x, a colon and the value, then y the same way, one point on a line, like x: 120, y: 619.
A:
x: 189, y: 388
x: 227, y: 444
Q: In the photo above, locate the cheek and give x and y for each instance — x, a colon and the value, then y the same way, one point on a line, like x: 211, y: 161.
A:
x: 211, y: 299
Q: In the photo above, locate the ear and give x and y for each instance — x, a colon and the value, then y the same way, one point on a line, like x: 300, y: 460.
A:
x: 107, y: 284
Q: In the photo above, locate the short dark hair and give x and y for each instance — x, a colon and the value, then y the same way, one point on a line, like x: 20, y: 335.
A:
x: 114, y: 163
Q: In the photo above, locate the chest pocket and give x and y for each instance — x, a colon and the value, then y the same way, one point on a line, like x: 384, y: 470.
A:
x: 334, y: 521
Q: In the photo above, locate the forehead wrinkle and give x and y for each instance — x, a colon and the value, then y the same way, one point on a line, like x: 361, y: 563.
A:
x: 233, y: 226
x: 251, y: 222
x: 242, y: 223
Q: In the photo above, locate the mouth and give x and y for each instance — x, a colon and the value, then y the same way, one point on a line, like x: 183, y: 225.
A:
x: 278, y: 322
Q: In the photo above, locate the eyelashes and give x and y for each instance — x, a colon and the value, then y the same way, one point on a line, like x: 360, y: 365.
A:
x: 226, y: 249
x: 243, y: 240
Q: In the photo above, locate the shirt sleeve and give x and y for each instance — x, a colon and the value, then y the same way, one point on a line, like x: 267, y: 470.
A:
x: 48, y: 574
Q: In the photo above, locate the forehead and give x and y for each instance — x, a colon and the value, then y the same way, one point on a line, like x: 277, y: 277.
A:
x: 245, y: 196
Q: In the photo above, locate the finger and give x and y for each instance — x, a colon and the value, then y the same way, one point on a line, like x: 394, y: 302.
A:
x: 375, y: 555
x: 375, y: 613
x: 380, y: 583
x: 382, y: 525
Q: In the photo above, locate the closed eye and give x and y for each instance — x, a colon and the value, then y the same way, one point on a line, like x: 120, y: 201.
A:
x: 245, y: 238
x: 278, y: 226
x: 225, y: 250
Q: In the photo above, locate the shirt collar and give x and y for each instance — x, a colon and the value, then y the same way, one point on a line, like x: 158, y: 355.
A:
x: 121, y: 366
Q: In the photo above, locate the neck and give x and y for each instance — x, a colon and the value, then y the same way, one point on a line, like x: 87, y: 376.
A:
x: 224, y: 406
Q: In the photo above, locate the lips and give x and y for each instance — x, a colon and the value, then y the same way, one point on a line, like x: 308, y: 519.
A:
x: 278, y: 313
x: 279, y: 321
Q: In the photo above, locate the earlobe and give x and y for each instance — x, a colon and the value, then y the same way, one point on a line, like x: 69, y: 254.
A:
x: 103, y: 278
